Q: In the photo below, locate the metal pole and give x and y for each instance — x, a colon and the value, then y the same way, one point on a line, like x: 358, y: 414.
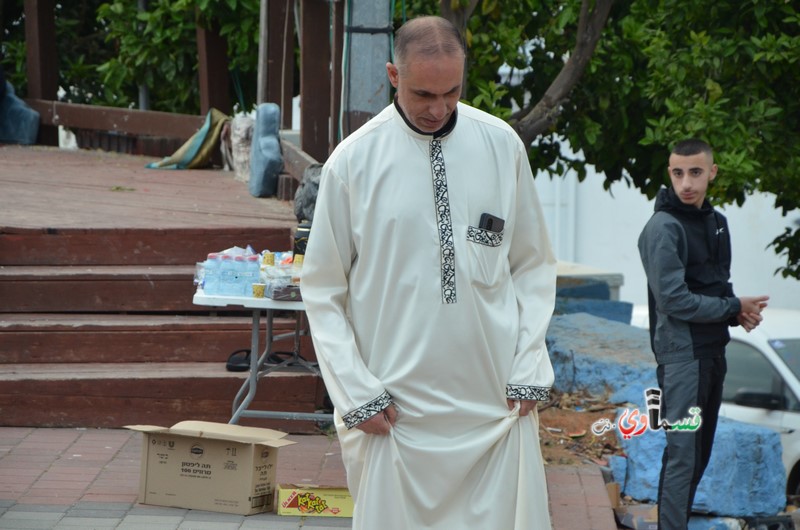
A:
x: 368, y: 31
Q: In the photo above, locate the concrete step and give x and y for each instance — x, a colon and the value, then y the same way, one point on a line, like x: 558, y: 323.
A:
x: 112, y: 395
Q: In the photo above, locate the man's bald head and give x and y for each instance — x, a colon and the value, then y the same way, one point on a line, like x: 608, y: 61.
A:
x: 426, y: 38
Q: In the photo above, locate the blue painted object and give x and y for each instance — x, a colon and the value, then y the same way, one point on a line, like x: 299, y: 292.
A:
x: 266, y: 161
x: 19, y: 124
x: 600, y: 356
x: 745, y: 476
x: 573, y: 287
x: 608, y: 309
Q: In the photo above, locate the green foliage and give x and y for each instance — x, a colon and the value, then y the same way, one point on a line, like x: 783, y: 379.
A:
x: 664, y: 70
x: 725, y: 71
x: 107, y: 49
x: 158, y: 48
x: 81, y: 45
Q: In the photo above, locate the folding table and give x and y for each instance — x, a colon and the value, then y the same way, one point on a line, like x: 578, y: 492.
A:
x: 247, y: 392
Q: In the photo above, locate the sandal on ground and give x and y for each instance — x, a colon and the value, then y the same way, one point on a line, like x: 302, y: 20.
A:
x: 238, y: 361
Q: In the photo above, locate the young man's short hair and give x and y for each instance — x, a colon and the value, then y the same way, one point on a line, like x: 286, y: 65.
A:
x: 691, y: 147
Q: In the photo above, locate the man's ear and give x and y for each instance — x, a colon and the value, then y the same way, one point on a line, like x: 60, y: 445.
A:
x: 713, y: 172
x: 393, y: 73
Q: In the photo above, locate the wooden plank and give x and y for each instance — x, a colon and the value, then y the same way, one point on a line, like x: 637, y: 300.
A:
x: 152, y: 393
x: 42, y: 59
x: 41, y: 53
x: 78, y: 273
x: 58, y: 322
x: 144, y: 295
x: 130, y: 121
x: 337, y: 52
x: 115, y: 413
x: 172, y: 394
x: 212, y: 70
x: 52, y: 338
x: 121, y: 346
x: 280, y: 57
x: 99, y: 379
x: 56, y: 189
x: 110, y: 247
x: 315, y: 79
x: 295, y: 160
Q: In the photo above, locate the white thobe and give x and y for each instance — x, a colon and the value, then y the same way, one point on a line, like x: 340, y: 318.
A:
x: 410, y: 302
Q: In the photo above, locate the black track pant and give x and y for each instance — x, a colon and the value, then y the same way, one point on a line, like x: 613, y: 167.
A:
x: 696, y: 383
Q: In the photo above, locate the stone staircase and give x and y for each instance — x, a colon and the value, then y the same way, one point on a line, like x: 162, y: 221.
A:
x: 98, y: 329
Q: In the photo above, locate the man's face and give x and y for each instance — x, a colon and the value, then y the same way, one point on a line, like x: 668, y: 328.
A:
x: 428, y: 89
x: 690, y: 176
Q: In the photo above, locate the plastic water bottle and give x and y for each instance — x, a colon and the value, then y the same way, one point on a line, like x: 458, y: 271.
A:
x: 239, y: 266
x: 252, y: 271
x: 227, y: 276
x: 211, y: 274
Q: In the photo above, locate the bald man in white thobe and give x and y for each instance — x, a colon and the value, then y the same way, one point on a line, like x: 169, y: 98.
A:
x: 429, y: 283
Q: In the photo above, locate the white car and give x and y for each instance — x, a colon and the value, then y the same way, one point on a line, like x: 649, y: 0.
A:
x: 763, y: 382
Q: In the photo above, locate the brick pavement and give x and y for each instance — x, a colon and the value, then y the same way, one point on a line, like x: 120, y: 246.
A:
x: 89, y: 478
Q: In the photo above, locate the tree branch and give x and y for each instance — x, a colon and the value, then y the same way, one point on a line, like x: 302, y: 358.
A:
x: 545, y: 113
x: 459, y: 16
x: 456, y: 14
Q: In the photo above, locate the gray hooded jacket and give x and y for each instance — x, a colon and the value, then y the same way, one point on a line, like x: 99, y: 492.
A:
x: 686, y: 254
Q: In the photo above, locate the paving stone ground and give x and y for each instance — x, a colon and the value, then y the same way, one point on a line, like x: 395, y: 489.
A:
x: 89, y: 479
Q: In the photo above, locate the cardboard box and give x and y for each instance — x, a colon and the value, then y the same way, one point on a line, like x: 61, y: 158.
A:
x: 613, y: 490
x: 314, y: 501
x: 210, y: 466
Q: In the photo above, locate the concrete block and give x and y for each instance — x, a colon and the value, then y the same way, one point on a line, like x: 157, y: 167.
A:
x: 619, y: 469
x: 744, y: 478
x: 608, y: 309
x: 575, y: 287
x: 600, y: 356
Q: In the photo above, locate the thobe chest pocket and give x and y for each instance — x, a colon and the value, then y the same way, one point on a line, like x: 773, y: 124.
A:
x: 487, y: 263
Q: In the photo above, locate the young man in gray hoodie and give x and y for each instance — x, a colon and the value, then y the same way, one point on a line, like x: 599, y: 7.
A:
x: 686, y: 252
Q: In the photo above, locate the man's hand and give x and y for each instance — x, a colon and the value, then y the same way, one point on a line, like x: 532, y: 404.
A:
x: 380, y: 423
x: 525, y: 405
x: 750, y: 316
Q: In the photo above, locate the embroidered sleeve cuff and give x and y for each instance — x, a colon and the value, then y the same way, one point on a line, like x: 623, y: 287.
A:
x: 524, y: 392
x: 365, y: 412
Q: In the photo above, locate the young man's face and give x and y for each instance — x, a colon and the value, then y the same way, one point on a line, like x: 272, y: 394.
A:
x: 428, y: 89
x: 690, y: 176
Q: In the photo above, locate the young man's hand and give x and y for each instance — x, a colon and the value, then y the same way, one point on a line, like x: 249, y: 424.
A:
x: 380, y: 423
x: 750, y: 316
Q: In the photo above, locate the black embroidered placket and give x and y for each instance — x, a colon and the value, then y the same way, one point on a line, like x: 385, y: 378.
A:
x: 444, y: 223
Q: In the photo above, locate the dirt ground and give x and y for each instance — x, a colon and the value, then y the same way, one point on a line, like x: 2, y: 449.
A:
x: 566, y: 430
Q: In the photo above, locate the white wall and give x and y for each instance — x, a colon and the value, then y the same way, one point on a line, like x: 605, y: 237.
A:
x: 591, y: 226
